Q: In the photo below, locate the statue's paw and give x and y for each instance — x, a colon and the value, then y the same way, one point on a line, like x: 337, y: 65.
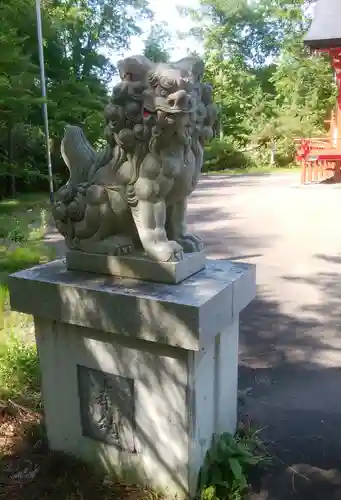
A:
x: 75, y: 243
x: 124, y: 250
x: 169, y: 251
x: 191, y: 243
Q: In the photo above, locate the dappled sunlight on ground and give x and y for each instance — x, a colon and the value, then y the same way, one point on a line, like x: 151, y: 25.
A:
x: 290, y: 357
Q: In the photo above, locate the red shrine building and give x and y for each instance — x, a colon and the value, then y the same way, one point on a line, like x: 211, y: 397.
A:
x: 321, y: 155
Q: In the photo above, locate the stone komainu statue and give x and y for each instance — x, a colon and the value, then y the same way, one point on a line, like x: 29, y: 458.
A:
x: 132, y: 196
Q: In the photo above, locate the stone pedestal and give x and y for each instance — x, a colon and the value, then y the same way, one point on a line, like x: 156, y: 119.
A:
x: 137, y: 376
x: 139, y: 267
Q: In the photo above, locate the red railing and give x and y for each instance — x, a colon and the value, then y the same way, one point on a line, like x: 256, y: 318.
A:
x: 317, y: 156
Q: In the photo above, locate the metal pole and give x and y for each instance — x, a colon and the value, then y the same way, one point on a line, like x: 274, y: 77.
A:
x: 221, y: 128
x: 43, y: 92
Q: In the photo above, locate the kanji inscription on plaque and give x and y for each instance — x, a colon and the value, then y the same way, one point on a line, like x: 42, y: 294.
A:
x: 107, y: 407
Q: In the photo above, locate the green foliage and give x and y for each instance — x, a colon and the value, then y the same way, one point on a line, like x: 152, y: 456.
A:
x: 79, y: 40
x: 24, y: 257
x: 15, y: 233
x: 22, y: 222
x: 3, y: 303
x: 222, y: 154
x: 155, y: 47
x: 232, y: 86
x: 24, y: 203
x: 305, y: 90
x: 24, y: 225
x: 224, y: 474
x: 19, y: 370
x: 268, y: 88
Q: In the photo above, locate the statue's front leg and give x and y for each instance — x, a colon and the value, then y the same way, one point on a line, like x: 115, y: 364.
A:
x: 150, y: 221
x: 177, y: 228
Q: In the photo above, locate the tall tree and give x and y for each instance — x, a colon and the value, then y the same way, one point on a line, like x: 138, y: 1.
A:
x: 17, y: 86
x: 156, y: 44
x: 266, y: 84
x: 80, y: 37
x: 305, y: 89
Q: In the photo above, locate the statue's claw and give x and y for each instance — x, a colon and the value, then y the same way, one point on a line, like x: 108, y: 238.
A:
x: 169, y: 251
x: 191, y: 243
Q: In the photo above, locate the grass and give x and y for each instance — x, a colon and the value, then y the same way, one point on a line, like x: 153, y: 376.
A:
x: 19, y: 371
x: 22, y: 226
x: 23, y: 202
x: 23, y: 257
x: 254, y: 171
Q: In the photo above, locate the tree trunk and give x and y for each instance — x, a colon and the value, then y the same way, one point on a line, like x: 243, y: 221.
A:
x: 221, y: 128
x: 10, y: 130
x: 273, y: 154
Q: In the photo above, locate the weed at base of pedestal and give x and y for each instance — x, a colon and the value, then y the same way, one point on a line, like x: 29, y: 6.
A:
x: 228, y: 464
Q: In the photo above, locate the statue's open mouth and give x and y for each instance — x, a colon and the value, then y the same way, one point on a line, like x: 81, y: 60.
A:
x: 147, y: 113
x: 148, y: 110
x: 172, y: 110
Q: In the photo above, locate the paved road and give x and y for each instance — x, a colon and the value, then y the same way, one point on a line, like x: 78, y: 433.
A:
x: 290, y: 335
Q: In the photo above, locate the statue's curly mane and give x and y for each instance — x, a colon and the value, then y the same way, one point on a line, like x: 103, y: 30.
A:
x: 156, y: 123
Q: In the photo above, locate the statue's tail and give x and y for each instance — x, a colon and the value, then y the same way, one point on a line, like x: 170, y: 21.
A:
x: 78, y: 155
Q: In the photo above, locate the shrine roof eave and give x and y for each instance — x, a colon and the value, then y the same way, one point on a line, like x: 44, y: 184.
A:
x: 322, y: 43
x: 325, y: 28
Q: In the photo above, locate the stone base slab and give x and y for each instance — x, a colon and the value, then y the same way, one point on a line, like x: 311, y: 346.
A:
x: 137, y: 267
x: 137, y: 376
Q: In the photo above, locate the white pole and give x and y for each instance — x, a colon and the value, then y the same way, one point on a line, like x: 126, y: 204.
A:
x: 273, y: 153
x: 43, y: 91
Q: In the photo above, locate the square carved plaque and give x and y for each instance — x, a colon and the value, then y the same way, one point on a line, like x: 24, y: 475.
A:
x: 107, y: 407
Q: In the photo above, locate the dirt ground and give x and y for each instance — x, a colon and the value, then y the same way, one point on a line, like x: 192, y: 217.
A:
x: 29, y: 471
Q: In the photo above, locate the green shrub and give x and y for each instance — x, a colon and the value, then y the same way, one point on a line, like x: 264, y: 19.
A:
x: 29, y: 225
x: 16, y: 233
x: 285, y: 151
x: 222, y: 154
